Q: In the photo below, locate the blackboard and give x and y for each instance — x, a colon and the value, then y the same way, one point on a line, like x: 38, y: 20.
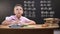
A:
x: 35, y: 10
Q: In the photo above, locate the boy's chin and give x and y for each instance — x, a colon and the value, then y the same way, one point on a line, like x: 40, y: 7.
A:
x: 19, y: 15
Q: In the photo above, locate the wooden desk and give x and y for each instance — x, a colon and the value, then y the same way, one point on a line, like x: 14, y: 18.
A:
x: 30, y: 29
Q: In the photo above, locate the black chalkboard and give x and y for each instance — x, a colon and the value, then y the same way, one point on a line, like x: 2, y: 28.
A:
x: 35, y: 10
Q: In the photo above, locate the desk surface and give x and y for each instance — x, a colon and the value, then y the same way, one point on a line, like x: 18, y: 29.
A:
x: 37, y: 26
x: 29, y: 29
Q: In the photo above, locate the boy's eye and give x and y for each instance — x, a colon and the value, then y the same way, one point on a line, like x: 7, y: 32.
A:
x: 20, y: 9
x: 16, y: 9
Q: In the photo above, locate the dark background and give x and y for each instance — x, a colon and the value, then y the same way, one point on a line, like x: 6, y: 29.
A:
x: 6, y: 9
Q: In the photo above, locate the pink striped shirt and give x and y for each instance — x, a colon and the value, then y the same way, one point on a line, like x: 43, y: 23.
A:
x: 21, y: 19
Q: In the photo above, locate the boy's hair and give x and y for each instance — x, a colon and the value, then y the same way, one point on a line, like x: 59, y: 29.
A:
x: 18, y: 5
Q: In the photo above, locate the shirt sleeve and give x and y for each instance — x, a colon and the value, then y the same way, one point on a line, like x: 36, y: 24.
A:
x: 8, y: 18
x: 27, y: 20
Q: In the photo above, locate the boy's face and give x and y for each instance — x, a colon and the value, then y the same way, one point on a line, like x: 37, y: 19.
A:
x: 18, y: 10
